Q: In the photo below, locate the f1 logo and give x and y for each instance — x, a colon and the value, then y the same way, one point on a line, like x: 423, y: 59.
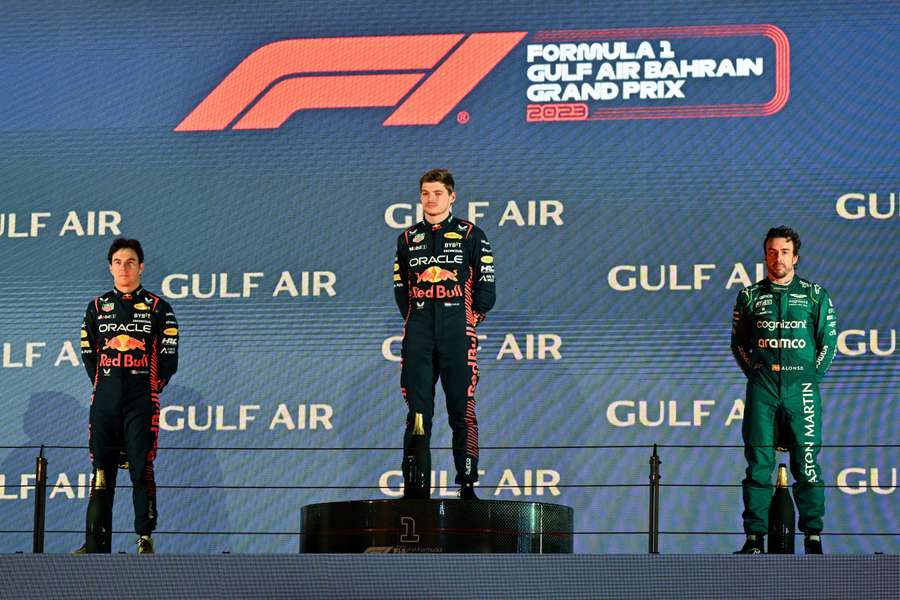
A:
x: 288, y: 76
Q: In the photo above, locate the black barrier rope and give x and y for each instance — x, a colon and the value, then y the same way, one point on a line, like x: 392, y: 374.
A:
x: 644, y: 532
x: 399, y: 448
x: 654, y: 485
x: 378, y: 487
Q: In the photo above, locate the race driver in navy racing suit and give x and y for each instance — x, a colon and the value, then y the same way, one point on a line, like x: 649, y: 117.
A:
x: 129, y: 346
x: 444, y: 286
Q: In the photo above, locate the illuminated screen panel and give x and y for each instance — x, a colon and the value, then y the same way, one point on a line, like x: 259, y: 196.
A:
x: 624, y: 161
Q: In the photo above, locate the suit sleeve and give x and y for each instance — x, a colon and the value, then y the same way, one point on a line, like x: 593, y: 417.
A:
x: 484, y: 284
x: 89, y: 349
x: 741, y: 335
x: 826, y: 334
x: 401, y: 266
x: 167, y: 336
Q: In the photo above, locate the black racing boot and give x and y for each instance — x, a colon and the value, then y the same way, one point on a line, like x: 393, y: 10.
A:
x: 753, y: 545
x: 467, y: 492
x: 812, y: 544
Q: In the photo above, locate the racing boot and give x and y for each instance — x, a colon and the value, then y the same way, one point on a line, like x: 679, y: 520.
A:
x: 753, y: 545
x: 812, y: 544
x: 467, y: 492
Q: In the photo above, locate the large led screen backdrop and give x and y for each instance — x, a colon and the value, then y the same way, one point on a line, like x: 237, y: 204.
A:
x: 624, y: 158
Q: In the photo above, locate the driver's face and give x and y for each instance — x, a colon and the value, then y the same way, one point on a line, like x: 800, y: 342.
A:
x: 436, y: 200
x: 780, y: 258
x: 126, y: 270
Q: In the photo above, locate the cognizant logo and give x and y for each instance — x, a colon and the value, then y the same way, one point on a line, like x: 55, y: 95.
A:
x: 773, y: 325
x: 424, y: 76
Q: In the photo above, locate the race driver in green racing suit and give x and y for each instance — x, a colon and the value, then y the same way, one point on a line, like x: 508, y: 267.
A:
x: 783, y: 337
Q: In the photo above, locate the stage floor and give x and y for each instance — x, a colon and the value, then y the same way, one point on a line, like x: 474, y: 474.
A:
x: 464, y: 576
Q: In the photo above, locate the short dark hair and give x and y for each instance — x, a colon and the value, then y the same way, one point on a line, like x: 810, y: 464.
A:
x: 439, y: 175
x: 783, y: 232
x: 121, y: 243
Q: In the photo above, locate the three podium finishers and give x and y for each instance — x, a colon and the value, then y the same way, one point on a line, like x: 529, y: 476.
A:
x: 783, y: 337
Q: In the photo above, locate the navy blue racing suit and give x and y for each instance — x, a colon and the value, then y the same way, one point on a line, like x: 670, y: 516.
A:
x: 129, y: 346
x: 444, y: 286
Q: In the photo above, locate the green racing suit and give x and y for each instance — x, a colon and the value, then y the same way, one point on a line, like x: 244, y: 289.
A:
x: 783, y: 338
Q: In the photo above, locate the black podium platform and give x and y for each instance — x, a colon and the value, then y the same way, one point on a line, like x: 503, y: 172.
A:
x: 434, y: 526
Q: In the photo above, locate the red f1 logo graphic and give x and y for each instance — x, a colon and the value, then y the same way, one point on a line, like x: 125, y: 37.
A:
x: 284, y: 77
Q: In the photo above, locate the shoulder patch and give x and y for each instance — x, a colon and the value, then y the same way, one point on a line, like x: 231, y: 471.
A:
x: 465, y: 227
x: 814, y: 290
x: 747, y: 292
x: 409, y: 231
x: 817, y: 292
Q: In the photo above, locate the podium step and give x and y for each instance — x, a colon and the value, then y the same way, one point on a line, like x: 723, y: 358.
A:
x: 435, y: 526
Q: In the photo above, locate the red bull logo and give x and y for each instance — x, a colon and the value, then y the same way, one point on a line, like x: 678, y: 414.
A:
x: 124, y: 343
x: 437, y: 292
x: 436, y: 275
x: 127, y: 361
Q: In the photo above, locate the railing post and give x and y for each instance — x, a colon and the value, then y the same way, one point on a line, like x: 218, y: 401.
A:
x: 654, y: 501
x: 40, y: 502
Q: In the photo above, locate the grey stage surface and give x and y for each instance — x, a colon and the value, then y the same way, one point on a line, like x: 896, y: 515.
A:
x: 450, y: 576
